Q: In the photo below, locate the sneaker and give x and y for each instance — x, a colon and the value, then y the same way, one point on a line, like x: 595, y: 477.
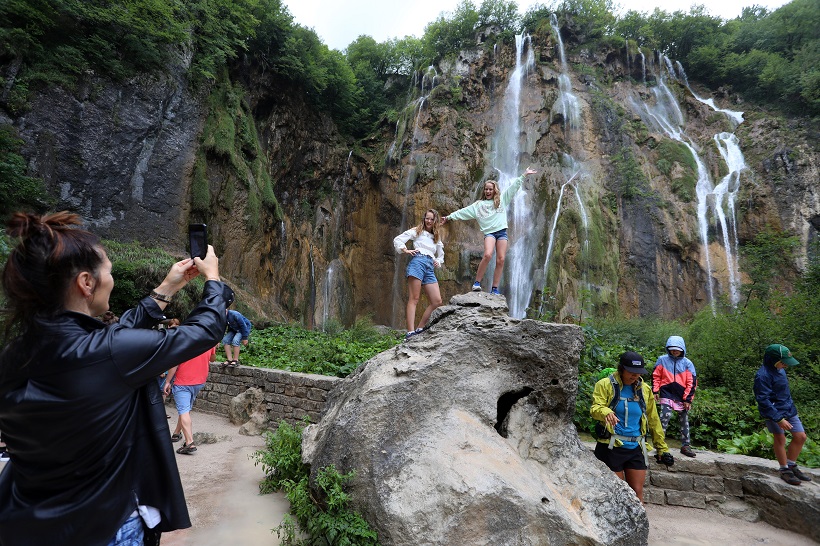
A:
x: 476, y: 286
x: 688, y: 451
x: 408, y: 335
x: 799, y: 474
x: 4, y: 457
x: 495, y: 292
x: 789, y: 477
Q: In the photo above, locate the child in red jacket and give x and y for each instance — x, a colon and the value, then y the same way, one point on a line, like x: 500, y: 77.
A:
x: 674, y: 381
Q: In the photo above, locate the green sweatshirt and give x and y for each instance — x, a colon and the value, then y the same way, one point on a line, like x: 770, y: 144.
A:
x: 490, y: 219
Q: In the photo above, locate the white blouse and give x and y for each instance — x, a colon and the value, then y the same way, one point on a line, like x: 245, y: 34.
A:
x: 424, y: 243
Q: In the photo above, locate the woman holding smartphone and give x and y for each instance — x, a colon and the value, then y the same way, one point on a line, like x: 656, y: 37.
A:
x: 80, y: 407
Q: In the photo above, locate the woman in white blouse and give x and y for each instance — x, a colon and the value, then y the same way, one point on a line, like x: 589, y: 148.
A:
x: 427, y: 253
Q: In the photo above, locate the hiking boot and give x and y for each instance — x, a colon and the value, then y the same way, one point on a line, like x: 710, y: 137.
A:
x: 688, y: 451
x: 789, y: 477
x: 495, y: 292
x: 799, y: 474
x: 476, y: 286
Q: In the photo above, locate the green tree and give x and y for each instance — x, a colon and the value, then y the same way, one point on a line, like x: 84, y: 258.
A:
x: 500, y: 13
x: 450, y: 34
x: 220, y: 29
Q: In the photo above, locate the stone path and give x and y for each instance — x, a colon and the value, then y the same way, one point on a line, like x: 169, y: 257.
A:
x: 222, y: 490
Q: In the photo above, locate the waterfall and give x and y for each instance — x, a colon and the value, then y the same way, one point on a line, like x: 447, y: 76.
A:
x: 326, y: 295
x: 551, y: 239
x: 568, y: 105
x: 727, y: 189
x: 666, y: 116
x: 643, y: 68
x: 505, y: 158
x: 312, y: 282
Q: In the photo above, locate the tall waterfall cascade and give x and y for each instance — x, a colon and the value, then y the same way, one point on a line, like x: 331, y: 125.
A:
x: 505, y: 159
x: 664, y: 114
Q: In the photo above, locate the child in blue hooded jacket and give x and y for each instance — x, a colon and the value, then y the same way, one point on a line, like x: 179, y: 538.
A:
x: 674, y: 381
x: 775, y: 404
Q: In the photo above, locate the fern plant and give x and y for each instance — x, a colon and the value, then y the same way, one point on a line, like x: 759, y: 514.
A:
x: 321, y: 516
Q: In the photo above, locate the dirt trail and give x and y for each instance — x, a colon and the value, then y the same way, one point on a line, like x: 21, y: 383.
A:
x: 221, y: 487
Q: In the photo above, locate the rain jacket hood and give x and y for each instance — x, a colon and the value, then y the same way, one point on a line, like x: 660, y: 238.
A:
x: 676, y: 341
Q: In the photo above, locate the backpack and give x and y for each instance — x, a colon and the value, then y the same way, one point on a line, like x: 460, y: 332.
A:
x: 601, y: 431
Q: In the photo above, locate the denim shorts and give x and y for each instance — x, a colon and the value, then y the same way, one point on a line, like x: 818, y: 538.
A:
x: 232, y: 338
x: 774, y: 428
x: 421, y: 267
x: 500, y: 235
x: 184, y: 396
x: 130, y: 534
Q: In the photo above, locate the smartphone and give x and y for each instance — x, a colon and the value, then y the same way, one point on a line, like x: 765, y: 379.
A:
x: 198, y: 240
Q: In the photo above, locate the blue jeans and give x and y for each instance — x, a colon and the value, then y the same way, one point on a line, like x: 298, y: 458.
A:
x: 130, y: 534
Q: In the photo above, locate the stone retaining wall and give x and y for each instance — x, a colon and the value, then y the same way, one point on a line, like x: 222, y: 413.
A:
x: 287, y: 395
x: 741, y: 487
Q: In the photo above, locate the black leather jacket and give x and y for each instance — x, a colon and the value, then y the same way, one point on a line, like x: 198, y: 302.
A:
x: 82, y: 414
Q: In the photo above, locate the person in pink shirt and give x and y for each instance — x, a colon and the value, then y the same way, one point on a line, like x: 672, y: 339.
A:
x: 187, y: 379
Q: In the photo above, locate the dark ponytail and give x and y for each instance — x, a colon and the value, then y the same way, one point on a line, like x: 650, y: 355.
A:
x: 50, y: 253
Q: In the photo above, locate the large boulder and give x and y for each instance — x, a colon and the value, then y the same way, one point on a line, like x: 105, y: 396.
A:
x: 464, y: 435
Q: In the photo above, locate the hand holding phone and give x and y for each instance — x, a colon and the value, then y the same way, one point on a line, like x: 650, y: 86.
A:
x: 198, y: 240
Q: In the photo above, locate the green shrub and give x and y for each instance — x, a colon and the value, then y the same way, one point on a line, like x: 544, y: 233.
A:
x: 322, y: 514
x: 759, y: 444
x: 19, y: 191
x: 336, y: 353
x: 281, y: 459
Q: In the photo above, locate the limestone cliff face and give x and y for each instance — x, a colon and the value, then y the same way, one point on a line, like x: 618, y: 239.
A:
x: 134, y: 159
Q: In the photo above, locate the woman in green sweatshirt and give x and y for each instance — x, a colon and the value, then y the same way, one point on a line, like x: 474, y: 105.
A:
x: 491, y: 214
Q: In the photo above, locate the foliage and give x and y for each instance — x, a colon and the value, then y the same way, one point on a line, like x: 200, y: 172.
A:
x: 592, y: 18
x: 764, y: 258
x: 281, y: 459
x: 322, y: 514
x: 19, y: 191
x: 502, y: 14
x: 630, y: 180
x: 760, y: 444
x: 291, y: 347
x: 451, y: 33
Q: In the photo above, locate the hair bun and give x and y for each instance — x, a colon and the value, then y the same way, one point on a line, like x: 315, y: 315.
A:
x: 25, y: 224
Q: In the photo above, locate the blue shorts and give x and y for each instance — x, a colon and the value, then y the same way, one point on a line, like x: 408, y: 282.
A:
x: 232, y: 338
x: 774, y: 428
x: 500, y: 235
x: 184, y: 396
x: 130, y: 534
x: 421, y: 267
